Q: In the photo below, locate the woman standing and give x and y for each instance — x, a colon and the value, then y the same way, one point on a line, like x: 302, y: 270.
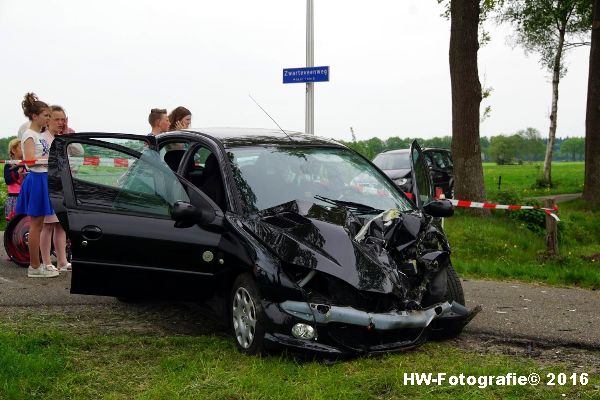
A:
x: 52, y: 228
x: 34, y: 199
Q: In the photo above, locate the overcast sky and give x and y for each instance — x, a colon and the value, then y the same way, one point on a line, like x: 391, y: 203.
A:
x: 109, y: 62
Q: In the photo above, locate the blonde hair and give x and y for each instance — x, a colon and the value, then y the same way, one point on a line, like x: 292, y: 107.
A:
x: 11, y: 147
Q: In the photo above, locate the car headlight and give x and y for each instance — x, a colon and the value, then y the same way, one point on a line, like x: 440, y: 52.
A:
x: 400, y: 181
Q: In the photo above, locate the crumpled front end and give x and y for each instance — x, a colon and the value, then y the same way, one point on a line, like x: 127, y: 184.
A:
x: 370, y: 284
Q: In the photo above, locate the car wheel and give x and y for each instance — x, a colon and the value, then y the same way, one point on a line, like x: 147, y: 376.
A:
x: 16, y: 240
x: 247, y: 317
x: 455, y: 290
x: 440, y: 329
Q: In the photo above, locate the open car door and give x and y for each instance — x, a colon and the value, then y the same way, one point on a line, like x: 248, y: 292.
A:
x: 115, y: 202
x: 422, y: 187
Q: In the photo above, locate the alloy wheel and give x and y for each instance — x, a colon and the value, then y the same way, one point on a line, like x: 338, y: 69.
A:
x: 244, y: 317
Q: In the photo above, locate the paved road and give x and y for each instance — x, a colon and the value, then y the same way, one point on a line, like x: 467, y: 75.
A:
x: 559, y: 198
x: 564, y: 316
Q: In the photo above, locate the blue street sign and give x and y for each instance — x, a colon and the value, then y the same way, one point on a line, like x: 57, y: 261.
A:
x: 303, y: 75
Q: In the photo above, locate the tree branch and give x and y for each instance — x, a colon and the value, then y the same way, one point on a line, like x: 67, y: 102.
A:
x: 573, y: 45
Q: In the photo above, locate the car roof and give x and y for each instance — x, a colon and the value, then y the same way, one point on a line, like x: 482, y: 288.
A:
x: 397, y: 151
x: 401, y: 151
x: 235, y: 137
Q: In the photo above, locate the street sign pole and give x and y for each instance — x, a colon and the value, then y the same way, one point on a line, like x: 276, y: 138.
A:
x: 310, y: 62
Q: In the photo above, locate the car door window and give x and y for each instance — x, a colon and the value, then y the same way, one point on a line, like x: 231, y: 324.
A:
x: 423, y: 186
x: 203, y: 170
x: 438, y: 160
x: 448, y: 160
x: 427, y: 157
x: 133, y: 179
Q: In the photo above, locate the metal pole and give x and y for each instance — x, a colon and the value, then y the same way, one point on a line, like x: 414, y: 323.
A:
x: 310, y: 62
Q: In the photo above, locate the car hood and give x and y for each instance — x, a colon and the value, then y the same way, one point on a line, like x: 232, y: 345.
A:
x: 398, y: 173
x: 312, y: 236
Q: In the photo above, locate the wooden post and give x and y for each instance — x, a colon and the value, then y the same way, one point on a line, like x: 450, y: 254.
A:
x: 551, y: 230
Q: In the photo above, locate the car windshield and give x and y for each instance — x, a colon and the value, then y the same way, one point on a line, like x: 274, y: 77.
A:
x: 267, y: 177
x: 393, y: 161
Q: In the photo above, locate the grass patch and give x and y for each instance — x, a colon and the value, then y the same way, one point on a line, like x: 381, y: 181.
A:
x: 62, y: 365
x: 567, y: 177
x: 500, y: 247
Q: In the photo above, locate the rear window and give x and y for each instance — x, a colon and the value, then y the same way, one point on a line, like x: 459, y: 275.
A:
x: 393, y: 161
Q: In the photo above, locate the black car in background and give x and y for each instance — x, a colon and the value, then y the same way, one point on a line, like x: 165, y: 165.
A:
x: 273, y: 225
x: 396, y: 164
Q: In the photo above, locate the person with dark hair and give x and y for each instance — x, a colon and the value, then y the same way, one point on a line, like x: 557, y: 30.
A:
x: 52, y: 228
x: 158, y: 120
x: 34, y: 199
x: 180, y: 118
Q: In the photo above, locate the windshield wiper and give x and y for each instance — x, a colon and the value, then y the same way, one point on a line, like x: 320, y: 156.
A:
x: 356, y: 207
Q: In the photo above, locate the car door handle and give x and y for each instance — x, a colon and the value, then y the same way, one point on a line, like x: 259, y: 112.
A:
x: 91, y: 232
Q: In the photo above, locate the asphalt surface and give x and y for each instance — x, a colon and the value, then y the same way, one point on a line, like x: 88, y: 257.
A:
x: 546, y: 315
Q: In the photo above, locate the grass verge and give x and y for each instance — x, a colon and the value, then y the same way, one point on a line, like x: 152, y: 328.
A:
x: 53, y: 364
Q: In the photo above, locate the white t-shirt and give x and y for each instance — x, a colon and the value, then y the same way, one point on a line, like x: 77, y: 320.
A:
x: 42, y: 148
x: 26, y: 125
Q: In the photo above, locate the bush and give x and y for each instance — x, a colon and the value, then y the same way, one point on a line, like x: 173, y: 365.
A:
x: 534, y: 220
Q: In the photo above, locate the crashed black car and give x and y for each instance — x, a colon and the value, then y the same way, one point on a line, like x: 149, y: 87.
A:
x: 271, y: 224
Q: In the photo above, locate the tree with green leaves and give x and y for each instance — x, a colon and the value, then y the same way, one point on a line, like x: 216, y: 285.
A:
x: 502, y: 149
x: 532, y: 148
x: 549, y: 28
x: 591, y: 186
x: 395, y: 143
x: 4, y: 147
x: 573, y: 148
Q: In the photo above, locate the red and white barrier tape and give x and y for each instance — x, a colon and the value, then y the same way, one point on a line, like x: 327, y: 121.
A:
x: 77, y: 161
x: 473, y: 204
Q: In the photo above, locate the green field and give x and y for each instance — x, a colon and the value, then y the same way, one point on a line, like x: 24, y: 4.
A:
x: 567, y: 177
x: 39, y: 362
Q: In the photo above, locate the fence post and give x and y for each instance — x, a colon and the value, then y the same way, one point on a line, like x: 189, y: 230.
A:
x: 551, y: 230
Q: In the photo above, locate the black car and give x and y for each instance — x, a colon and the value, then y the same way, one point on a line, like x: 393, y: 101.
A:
x: 268, y: 223
x: 396, y: 164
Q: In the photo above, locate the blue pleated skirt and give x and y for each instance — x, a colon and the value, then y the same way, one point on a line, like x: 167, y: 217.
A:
x: 34, y: 199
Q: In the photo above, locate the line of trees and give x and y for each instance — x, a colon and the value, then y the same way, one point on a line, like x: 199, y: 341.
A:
x: 523, y: 146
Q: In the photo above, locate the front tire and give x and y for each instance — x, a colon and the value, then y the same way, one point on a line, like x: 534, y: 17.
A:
x: 247, y: 317
x: 448, y: 329
x: 455, y: 290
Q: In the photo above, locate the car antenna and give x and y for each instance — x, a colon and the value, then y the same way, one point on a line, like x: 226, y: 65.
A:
x: 281, y: 129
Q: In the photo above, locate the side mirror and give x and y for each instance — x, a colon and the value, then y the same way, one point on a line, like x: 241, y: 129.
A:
x: 439, y: 208
x: 186, y: 215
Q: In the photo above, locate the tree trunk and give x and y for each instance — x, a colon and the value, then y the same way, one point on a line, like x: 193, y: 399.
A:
x: 591, y: 188
x: 553, y: 113
x: 466, y: 99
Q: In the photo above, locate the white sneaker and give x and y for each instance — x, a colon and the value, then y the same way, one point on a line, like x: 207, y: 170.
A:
x: 51, y: 267
x: 65, y: 268
x: 41, y: 272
